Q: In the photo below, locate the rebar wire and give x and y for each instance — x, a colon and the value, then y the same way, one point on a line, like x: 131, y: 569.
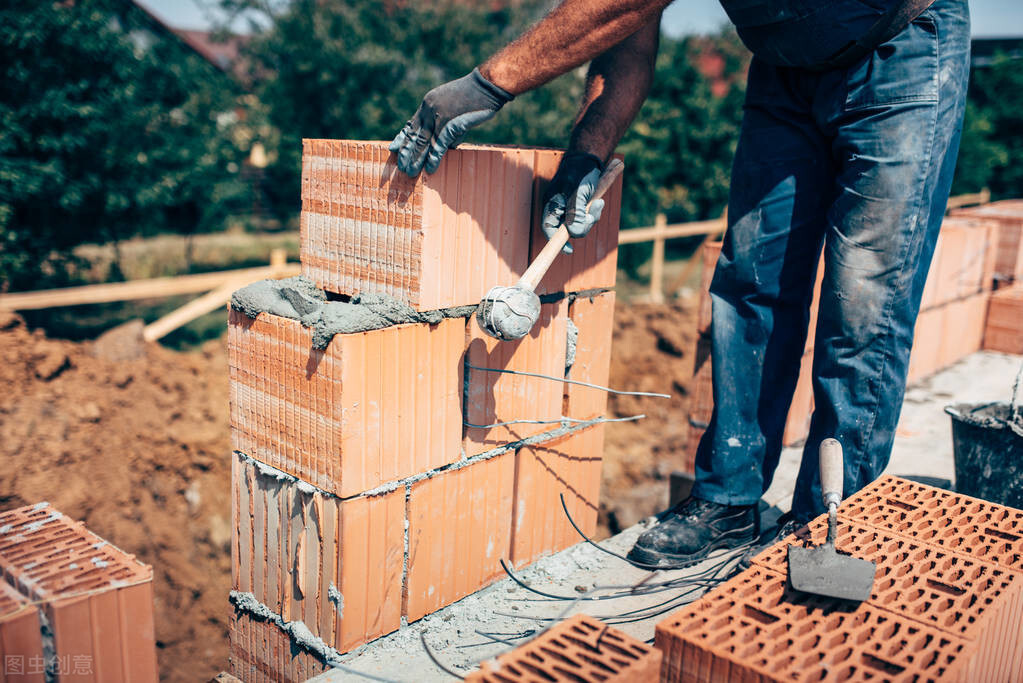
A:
x: 569, y: 381
x: 559, y: 420
x: 433, y: 658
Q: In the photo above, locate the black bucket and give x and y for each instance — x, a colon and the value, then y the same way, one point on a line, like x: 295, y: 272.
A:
x: 987, y: 439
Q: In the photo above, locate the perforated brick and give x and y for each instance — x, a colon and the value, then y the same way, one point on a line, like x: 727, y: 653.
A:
x: 335, y: 565
x: 459, y: 528
x: 593, y: 317
x: 373, y: 407
x: 580, y: 649
x: 500, y: 397
x: 753, y: 628
x: 21, y: 643
x: 263, y: 653
x: 951, y: 521
x: 436, y: 241
x: 569, y: 467
x: 97, y: 599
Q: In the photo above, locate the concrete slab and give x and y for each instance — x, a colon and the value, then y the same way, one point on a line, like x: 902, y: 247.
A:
x: 506, y: 611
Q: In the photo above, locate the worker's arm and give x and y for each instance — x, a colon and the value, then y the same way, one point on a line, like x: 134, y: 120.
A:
x: 616, y: 86
x: 573, y: 33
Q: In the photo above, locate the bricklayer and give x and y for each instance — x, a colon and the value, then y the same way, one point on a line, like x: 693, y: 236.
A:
x: 593, y: 264
x: 373, y: 407
x: 97, y: 599
x: 951, y: 521
x: 366, y: 227
x: 459, y: 528
x: 754, y: 628
x: 593, y: 317
x: 954, y: 593
x: 495, y: 397
x: 569, y: 466
x: 21, y: 643
x: 1009, y: 216
x: 263, y: 653
x: 578, y: 649
x: 335, y: 565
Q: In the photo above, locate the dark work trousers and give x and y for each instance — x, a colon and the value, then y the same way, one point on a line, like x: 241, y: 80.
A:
x: 856, y: 161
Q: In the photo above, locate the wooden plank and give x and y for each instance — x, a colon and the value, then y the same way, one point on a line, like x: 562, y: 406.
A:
x: 192, y: 310
x: 959, y: 201
x: 139, y: 289
x: 636, y: 235
x: 657, y: 261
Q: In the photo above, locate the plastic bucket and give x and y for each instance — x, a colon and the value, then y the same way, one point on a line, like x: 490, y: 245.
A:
x: 987, y: 439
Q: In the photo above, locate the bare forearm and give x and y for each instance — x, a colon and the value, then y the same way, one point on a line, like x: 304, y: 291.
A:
x: 616, y: 86
x: 575, y: 32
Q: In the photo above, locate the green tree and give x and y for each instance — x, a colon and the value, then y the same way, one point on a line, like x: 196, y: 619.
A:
x: 111, y: 128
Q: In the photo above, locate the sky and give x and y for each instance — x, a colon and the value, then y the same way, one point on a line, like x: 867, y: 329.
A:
x: 991, y: 18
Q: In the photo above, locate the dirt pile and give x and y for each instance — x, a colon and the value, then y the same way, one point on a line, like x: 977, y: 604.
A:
x: 137, y: 449
x: 652, y: 351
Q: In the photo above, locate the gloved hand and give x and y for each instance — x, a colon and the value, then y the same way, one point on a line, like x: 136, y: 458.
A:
x: 569, y: 191
x: 446, y: 113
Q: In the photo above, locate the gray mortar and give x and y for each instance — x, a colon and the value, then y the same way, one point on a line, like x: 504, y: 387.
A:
x: 571, y: 342
x: 49, y: 647
x: 334, y: 595
x: 299, y: 632
x: 297, y: 298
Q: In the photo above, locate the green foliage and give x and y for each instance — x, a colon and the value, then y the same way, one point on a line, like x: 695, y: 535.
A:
x: 111, y: 128
x: 992, y: 144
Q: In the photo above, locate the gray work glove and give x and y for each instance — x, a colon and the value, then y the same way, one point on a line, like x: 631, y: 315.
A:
x: 569, y: 191
x: 446, y: 113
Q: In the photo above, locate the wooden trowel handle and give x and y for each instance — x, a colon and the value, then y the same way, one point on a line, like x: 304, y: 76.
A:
x: 542, y: 263
x: 832, y: 465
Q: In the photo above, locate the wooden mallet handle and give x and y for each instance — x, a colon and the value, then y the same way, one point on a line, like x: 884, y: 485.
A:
x: 539, y: 267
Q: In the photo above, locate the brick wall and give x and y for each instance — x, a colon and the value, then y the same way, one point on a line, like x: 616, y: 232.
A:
x: 95, y: 602
x: 1007, y: 217
x: 370, y: 486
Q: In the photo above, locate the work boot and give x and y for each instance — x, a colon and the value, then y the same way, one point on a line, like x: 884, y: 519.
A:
x: 786, y: 526
x: 687, y: 533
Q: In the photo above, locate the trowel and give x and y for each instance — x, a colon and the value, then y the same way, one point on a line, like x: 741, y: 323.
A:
x: 823, y: 570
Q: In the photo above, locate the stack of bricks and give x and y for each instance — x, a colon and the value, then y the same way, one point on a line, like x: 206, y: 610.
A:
x: 951, y: 324
x: 946, y: 603
x: 580, y: 648
x: 1007, y: 216
x: 72, y: 606
x: 369, y: 488
x: 1004, y: 328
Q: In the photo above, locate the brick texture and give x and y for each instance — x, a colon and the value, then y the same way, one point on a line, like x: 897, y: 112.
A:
x: 578, y: 649
x: 459, y: 528
x: 494, y: 397
x: 594, y: 318
x: 97, y: 599
x: 1004, y: 329
x: 594, y: 261
x: 569, y: 466
x: 753, y: 628
x: 373, y: 407
x: 263, y: 653
x: 1008, y: 215
x: 21, y: 642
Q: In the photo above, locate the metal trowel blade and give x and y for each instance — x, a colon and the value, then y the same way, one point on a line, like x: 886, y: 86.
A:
x: 821, y: 570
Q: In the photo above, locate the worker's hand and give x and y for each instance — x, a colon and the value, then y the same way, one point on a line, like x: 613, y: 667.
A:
x: 568, y: 193
x: 440, y: 123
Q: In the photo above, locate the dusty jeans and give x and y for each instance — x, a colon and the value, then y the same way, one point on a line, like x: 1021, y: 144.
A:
x: 857, y: 161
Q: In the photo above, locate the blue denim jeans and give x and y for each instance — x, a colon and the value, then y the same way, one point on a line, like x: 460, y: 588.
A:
x: 858, y: 162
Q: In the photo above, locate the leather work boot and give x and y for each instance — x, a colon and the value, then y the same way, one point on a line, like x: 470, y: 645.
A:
x: 687, y: 533
x: 785, y: 527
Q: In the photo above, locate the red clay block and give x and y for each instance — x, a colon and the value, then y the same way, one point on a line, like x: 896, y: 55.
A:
x: 263, y: 653
x: 951, y: 521
x: 709, y: 254
x: 1004, y: 328
x: 569, y: 466
x: 21, y: 644
x: 594, y: 261
x: 965, y: 597
x: 926, y: 352
x: 701, y: 402
x: 1008, y: 214
x: 97, y: 599
x: 373, y: 407
x: 593, y: 317
x: 753, y: 628
x: 797, y: 424
x: 949, y: 266
x: 459, y: 528
x: 579, y: 649
x: 496, y: 397
x: 335, y: 565
x: 437, y: 241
